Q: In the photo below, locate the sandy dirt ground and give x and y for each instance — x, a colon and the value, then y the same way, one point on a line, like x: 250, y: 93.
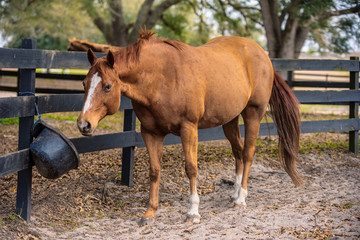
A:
x: 327, y: 207
x: 90, y: 202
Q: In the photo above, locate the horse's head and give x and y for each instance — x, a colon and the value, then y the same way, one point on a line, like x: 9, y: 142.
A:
x: 102, y: 92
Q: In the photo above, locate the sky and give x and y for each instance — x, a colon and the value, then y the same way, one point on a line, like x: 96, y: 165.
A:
x: 2, y: 41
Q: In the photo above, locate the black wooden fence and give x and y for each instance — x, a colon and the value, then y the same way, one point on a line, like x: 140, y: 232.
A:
x: 293, y: 79
x: 28, y: 59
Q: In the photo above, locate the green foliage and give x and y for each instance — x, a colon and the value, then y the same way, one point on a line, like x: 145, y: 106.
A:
x: 237, y: 18
x: 173, y: 24
x: 180, y: 23
x: 50, y: 22
x: 310, y: 8
x: 336, y: 34
x: 349, y: 29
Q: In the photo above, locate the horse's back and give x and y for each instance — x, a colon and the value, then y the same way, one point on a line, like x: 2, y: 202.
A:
x: 239, y: 73
x: 242, y: 50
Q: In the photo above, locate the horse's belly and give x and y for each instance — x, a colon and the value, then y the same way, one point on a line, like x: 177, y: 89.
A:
x: 226, y: 97
x: 219, y: 111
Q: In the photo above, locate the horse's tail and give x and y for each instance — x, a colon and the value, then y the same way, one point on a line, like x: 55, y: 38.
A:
x: 285, y: 112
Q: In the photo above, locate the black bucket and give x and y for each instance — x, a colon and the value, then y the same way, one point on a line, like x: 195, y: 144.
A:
x: 53, y: 153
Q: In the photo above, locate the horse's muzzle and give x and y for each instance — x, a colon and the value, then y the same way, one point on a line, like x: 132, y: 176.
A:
x: 85, y: 127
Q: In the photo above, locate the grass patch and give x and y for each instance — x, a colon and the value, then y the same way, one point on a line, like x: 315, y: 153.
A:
x: 114, y: 122
x: 320, y: 146
x: 209, y: 153
x: 269, y: 146
x: 64, y: 117
x: 14, y: 217
x: 9, y: 121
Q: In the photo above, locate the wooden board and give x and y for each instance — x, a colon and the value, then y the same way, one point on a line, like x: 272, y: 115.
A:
x: 328, y: 96
x: 14, y: 162
x: 20, y: 160
x: 104, y: 142
x: 32, y: 58
x: 315, y: 65
x: 24, y: 106
x: 320, y: 84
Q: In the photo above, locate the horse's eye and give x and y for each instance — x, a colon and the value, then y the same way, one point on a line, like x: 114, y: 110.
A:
x: 107, y: 88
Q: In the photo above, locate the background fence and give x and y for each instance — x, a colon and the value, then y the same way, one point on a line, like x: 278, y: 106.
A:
x: 28, y: 59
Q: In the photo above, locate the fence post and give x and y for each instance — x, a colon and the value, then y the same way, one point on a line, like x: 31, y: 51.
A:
x: 354, y: 111
x: 290, y: 78
x: 26, y: 83
x: 128, y: 152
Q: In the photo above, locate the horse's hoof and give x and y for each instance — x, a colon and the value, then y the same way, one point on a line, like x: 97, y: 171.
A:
x: 146, y: 221
x: 193, y: 218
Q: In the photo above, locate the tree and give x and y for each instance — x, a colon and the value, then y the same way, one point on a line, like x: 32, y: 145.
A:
x: 289, y: 23
x: 121, y: 30
x: 331, y: 24
x: 51, y: 23
x: 175, y: 20
x: 241, y: 17
x: 115, y: 22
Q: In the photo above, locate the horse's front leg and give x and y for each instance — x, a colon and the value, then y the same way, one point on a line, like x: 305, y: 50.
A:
x: 189, y: 138
x: 154, y: 143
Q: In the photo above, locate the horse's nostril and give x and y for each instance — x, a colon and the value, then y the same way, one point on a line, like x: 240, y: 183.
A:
x: 84, y: 126
x: 87, y: 128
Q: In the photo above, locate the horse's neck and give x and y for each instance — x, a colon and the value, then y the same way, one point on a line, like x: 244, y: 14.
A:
x: 136, y: 94
x: 149, y: 78
x: 138, y: 90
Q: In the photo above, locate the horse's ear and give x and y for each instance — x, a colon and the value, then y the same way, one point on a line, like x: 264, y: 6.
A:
x: 91, y: 56
x: 110, y: 58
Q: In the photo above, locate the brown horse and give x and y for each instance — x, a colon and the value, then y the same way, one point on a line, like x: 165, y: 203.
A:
x: 176, y: 88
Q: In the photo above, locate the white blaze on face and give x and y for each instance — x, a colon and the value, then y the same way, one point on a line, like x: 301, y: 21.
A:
x: 94, y: 82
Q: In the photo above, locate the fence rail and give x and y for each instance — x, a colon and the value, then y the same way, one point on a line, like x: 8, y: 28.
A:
x: 279, y: 64
x: 27, y: 60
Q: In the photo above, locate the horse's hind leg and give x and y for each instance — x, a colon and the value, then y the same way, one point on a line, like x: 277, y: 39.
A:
x: 189, y: 139
x: 232, y: 133
x: 252, y: 116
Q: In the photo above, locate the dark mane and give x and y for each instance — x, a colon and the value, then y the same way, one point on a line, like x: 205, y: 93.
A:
x: 131, y: 53
x: 149, y: 35
x: 178, y: 45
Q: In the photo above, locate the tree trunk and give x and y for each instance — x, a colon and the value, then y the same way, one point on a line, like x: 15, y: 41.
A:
x: 271, y: 25
x: 118, y: 25
x: 285, y: 43
x: 117, y: 32
x: 148, y: 17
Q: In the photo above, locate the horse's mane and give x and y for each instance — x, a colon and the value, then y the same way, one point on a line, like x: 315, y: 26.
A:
x: 131, y: 53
